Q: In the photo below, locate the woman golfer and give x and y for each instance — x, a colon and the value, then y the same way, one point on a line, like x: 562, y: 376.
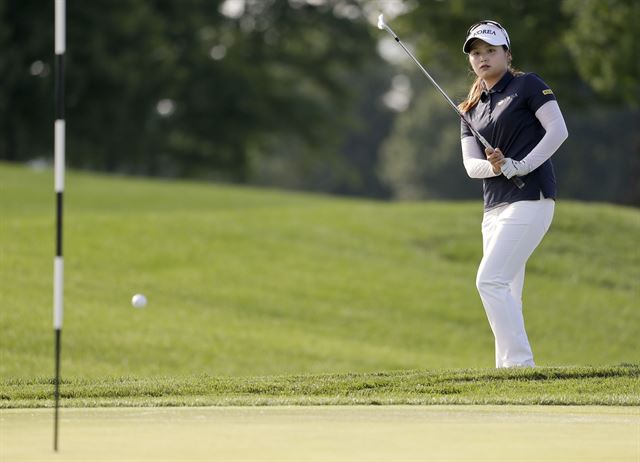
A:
x: 518, y: 114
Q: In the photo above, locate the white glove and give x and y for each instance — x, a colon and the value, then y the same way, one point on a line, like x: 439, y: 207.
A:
x: 512, y: 168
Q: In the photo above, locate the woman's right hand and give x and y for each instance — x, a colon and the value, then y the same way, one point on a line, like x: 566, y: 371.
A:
x: 496, y: 158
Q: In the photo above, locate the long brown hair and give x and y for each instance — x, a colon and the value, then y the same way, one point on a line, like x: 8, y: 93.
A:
x: 476, y: 90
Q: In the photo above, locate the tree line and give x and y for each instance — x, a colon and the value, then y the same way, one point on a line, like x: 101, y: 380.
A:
x: 291, y: 93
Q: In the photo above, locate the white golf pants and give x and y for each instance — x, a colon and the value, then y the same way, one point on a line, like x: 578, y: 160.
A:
x: 510, y: 234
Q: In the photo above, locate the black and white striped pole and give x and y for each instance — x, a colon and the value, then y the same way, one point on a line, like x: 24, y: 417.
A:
x: 59, y: 167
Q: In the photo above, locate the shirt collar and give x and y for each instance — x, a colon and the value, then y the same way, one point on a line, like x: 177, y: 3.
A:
x: 502, y: 83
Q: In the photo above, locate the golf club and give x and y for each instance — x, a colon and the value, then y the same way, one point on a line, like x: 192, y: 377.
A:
x: 382, y: 25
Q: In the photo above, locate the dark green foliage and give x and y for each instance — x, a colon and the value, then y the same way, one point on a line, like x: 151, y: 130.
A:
x: 288, y: 93
x: 238, y: 85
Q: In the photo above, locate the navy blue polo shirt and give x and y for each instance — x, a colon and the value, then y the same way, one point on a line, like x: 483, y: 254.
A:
x: 506, y: 118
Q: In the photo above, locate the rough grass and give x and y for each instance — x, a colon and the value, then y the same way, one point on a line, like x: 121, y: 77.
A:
x: 542, y: 386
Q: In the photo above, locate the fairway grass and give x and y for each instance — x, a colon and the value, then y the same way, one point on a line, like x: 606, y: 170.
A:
x: 301, y: 434
x: 246, y: 282
x: 613, y: 386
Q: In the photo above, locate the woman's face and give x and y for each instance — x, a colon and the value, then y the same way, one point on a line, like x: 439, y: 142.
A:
x: 489, y: 62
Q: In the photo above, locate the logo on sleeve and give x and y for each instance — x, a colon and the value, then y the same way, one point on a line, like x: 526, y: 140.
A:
x: 547, y: 92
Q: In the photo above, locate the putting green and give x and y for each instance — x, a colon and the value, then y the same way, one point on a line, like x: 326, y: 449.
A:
x: 332, y: 433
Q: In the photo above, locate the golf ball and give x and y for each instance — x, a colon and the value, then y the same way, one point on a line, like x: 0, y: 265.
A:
x: 139, y: 301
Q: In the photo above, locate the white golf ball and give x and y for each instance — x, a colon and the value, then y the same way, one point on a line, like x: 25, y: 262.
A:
x: 139, y: 301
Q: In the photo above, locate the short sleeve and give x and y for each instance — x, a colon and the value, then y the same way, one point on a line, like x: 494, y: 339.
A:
x: 464, y: 130
x: 538, y: 92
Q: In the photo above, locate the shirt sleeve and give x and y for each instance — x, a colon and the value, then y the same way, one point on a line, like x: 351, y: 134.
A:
x: 537, y: 92
x: 464, y: 130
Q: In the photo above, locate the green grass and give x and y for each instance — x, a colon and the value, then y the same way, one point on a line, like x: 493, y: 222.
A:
x: 549, y: 386
x: 252, y: 282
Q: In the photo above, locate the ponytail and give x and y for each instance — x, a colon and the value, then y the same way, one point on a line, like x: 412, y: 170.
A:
x: 473, y: 97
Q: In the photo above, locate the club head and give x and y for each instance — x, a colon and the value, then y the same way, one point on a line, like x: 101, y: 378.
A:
x: 381, y: 24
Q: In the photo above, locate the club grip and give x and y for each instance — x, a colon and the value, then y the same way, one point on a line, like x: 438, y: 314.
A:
x: 518, y: 182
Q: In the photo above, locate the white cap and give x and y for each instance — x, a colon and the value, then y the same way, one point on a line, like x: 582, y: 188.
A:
x: 487, y: 31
